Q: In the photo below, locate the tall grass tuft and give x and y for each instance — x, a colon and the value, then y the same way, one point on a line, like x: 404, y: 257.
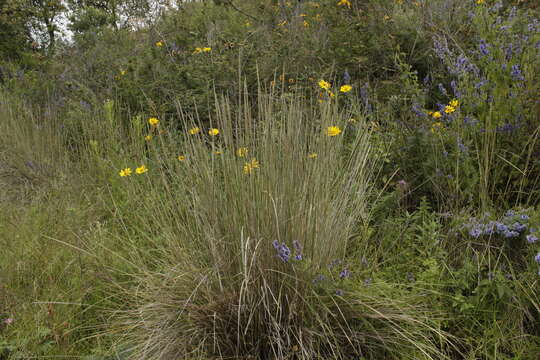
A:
x: 221, y: 282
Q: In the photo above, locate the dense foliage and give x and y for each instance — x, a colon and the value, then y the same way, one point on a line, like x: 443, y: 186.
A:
x: 270, y: 179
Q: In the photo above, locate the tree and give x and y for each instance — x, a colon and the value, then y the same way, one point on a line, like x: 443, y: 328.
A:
x: 15, y: 36
x: 43, y: 16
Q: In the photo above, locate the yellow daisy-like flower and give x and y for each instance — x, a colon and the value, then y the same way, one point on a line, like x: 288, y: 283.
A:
x: 148, y: 137
x: 206, y: 49
x: 345, y: 88
x: 305, y: 23
x: 181, y: 158
x: 449, y: 109
x: 312, y: 155
x: 159, y: 43
x: 153, y: 121
x: 324, y: 84
x: 242, y: 152
x: 125, y: 172
x: 333, y: 131
x: 141, y: 169
x: 250, y: 166
x: 480, y: 2
x: 218, y: 152
x: 197, y: 50
x: 194, y: 131
x: 436, y: 126
x: 454, y: 103
x: 213, y: 132
x: 437, y: 115
x: 123, y: 72
x: 344, y: 3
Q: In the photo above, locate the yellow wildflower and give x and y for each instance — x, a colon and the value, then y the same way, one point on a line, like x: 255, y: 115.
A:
x: 125, y: 172
x: 480, y: 2
x: 345, y: 88
x: 344, y: 3
x: 148, y: 137
x: 437, y: 114
x: 324, y: 85
x: 333, y: 131
x: 206, y: 49
x: 250, y: 166
x: 159, y: 43
x: 305, y: 23
x: 194, y: 131
x: 123, y: 72
x: 312, y: 155
x: 218, y: 152
x: 181, y: 158
x: 213, y: 132
x: 454, y: 103
x: 141, y: 169
x: 153, y: 121
x: 436, y: 126
x: 242, y: 152
x: 449, y: 109
x: 197, y: 50
x: 331, y: 94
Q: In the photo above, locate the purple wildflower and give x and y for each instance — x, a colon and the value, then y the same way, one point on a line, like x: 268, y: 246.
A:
x: 537, y: 258
x: 516, y: 73
x: 297, y: 249
x: 455, y: 89
x: 475, y: 232
x: 339, y: 292
x: 416, y: 109
x: 531, y: 239
x: 519, y: 227
x: 483, y: 47
x: 501, y: 228
x: 344, y: 274
x: 284, y: 253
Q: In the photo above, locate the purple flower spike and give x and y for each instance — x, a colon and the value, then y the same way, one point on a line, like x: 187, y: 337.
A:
x: 345, y: 274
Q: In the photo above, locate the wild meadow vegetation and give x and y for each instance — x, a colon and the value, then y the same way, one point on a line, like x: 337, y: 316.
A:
x: 269, y: 179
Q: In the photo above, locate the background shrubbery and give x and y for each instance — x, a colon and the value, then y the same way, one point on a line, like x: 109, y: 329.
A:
x: 411, y: 233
